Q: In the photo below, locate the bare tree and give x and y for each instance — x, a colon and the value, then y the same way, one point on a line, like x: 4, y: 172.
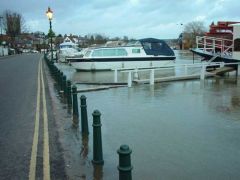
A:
x: 13, y: 24
x: 191, y: 30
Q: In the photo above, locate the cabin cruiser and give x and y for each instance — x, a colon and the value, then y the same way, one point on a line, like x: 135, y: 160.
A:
x: 144, y: 53
x: 68, y: 49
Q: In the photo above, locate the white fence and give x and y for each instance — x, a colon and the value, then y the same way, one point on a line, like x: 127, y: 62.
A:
x: 201, y: 74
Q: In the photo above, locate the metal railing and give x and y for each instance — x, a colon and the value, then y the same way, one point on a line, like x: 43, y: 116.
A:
x: 216, y: 46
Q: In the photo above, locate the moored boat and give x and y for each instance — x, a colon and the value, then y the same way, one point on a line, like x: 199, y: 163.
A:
x: 68, y: 49
x: 144, y: 53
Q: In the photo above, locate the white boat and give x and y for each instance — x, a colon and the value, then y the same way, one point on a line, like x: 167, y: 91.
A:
x: 144, y: 53
x: 68, y: 49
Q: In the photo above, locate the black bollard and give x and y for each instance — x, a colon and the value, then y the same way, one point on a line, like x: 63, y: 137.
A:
x: 125, y: 167
x: 58, y: 76
x: 75, y: 106
x: 69, y: 95
x: 63, y: 82
x: 97, y: 139
x: 84, y: 118
x: 60, y: 81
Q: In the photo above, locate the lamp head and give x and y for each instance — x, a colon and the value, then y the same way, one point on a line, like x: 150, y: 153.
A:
x: 49, y: 13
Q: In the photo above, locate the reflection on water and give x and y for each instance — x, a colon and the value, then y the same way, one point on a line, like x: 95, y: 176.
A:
x: 97, y: 172
x: 177, y: 130
x: 84, y: 148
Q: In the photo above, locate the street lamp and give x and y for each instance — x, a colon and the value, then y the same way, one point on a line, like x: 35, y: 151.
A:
x: 49, y: 14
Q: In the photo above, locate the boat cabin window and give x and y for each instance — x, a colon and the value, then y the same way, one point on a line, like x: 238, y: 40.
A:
x: 109, y: 52
x: 135, y: 51
x: 237, y: 44
x: 87, y: 53
x: 156, y: 48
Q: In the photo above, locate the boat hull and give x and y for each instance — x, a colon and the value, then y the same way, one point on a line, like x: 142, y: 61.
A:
x: 207, y: 56
x: 98, y: 64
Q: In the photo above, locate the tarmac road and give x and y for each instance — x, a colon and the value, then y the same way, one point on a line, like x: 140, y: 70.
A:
x: 20, y: 84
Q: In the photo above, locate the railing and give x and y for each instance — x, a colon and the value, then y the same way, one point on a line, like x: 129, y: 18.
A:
x: 202, y: 73
x: 216, y: 46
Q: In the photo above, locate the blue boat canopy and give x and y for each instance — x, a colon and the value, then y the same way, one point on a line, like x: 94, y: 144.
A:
x: 156, y: 47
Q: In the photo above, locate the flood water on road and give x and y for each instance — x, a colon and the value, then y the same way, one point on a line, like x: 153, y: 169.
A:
x: 177, y: 130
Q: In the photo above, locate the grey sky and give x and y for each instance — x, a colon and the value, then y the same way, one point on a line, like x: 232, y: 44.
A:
x: 133, y: 18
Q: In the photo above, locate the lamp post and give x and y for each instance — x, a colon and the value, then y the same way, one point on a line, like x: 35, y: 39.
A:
x: 49, y: 14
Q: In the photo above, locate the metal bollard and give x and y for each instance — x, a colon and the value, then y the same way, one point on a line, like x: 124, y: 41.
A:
x: 64, y: 86
x: 58, y: 75
x: 75, y: 106
x: 97, y: 139
x: 125, y: 167
x: 84, y: 118
x: 69, y: 95
x: 60, y: 81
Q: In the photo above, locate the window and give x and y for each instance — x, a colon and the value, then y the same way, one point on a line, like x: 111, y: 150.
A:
x: 87, y: 53
x: 109, y: 52
x: 121, y: 52
x: 136, y: 51
x: 97, y: 52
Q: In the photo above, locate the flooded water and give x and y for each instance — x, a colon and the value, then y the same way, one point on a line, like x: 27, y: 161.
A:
x: 176, y: 130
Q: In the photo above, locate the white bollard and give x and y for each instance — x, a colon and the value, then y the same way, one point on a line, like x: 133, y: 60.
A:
x: 130, y: 79
x: 152, y: 77
x: 115, y: 76
x: 203, y: 71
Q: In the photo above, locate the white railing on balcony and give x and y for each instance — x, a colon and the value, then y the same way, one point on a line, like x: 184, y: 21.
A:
x: 216, y: 46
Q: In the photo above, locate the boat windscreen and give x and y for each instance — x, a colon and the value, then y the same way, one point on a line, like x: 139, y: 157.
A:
x: 156, y: 47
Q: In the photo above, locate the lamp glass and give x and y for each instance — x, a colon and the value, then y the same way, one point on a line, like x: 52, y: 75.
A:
x: 49, y: 14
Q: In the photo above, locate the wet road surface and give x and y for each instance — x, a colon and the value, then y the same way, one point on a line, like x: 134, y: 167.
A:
x: 19, y: 82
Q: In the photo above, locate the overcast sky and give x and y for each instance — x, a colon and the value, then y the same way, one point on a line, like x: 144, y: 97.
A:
x: 134, y: 18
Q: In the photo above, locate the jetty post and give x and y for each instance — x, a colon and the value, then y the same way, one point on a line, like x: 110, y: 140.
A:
x: 130, y: 79
x: 203, y: 72
x: 152, y: 77
x: 115, y: 75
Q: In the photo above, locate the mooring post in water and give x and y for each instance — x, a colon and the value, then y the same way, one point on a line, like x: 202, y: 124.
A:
x: 115, y: 75
x: 152, y: 77
x: 203, y: 71
x: 130, y: 79
x: 84, y: 118
x: 125, y: 167
x: 75, y: 106
x: 69, y: 95
x: 97, y: 139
